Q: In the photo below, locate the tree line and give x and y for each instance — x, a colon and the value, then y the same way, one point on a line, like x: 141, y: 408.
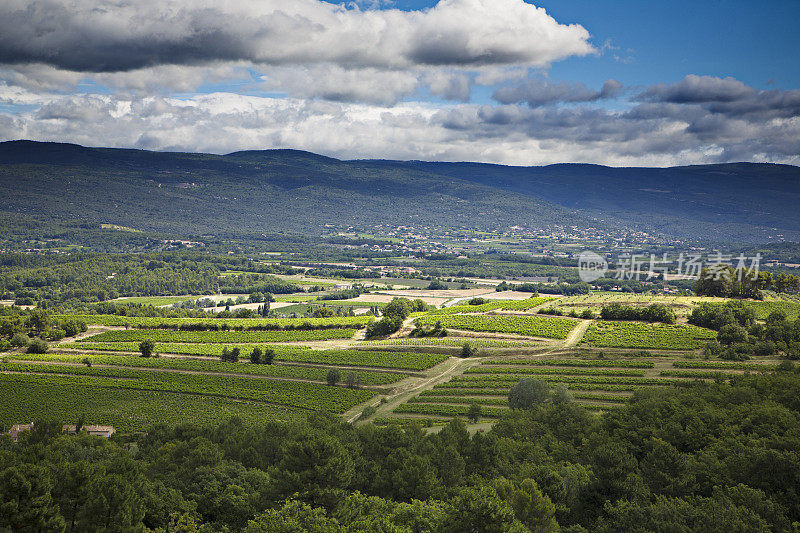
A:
x: 708, y: 457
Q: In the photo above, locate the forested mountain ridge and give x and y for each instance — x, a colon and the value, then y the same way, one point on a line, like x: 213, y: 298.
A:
x: 246, y: 192
x: 292, y: 190
x: 730, y: 202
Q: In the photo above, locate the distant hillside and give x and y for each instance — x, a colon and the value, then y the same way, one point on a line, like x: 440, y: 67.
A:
x: 735, y: 202
x: 290, y: 190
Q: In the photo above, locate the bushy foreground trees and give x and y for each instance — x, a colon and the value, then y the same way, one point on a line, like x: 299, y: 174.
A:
x: 739, y: 335
x: 708, y: 457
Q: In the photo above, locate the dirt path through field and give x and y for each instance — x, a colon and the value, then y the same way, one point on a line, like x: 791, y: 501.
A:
x: 576, y: 334
x: 444, y: 372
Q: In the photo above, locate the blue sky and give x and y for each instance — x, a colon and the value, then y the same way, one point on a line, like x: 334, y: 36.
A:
x: 613, y: 82
x: 754, y: 42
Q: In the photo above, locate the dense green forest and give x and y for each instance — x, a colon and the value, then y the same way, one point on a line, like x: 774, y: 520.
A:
x: 245, y: 192
x: 721, y: 457
x: 77, y: 279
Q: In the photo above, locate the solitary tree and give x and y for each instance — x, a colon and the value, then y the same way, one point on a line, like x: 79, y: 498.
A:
x: 255, y: 355
x: 474, y: 413
x: 527, y: 394
x: 468, y: 351
x: 268, y: 356
x: 146, y: 347
x: 333, y: 377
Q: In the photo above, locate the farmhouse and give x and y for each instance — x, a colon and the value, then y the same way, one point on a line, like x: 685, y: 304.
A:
x: 97, y: 431
x: 16, y: 429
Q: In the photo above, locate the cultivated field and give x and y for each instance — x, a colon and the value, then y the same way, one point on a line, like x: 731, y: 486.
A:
x: 405, y: 379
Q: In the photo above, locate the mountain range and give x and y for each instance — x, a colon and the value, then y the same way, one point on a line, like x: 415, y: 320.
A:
x: 289, y: 190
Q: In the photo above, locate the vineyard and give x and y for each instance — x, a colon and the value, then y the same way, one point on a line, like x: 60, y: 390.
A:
x: 208, y: 367
x: 453, y: 341
x: 216, y: 337
x: 308, y: 396
x: 763, y: 309
x: 190, y: 379
x: 295, y: 354
x: 652, y: 336
x: 67, y: 398
x: 530, y: 326
x: 507, y: 305
x: 352, y: 322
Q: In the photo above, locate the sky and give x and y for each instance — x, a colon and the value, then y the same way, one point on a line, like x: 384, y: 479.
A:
x: 613, y: 82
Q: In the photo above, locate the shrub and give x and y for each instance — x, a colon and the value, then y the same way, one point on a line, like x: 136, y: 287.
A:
x: 19, y: 340
x: 146, y: 347
x: 367, y: 412
x: 731, y: 333
x: 712, y: 348
x: 333, y: 377
x: 561, y: 394
x: 385, y: 326
x: 474, y: 413
x: 353, y: 381
x: 467, y: 350
x: 38, y: 346
x: 323, y: 312
x: 527, y: 394
x: 764, y: 348
x: 56, y: 334
x: 652, y: 313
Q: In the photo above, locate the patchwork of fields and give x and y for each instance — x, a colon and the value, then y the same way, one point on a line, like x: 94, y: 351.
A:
x: 596, y: 384
x: 601, y: 363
